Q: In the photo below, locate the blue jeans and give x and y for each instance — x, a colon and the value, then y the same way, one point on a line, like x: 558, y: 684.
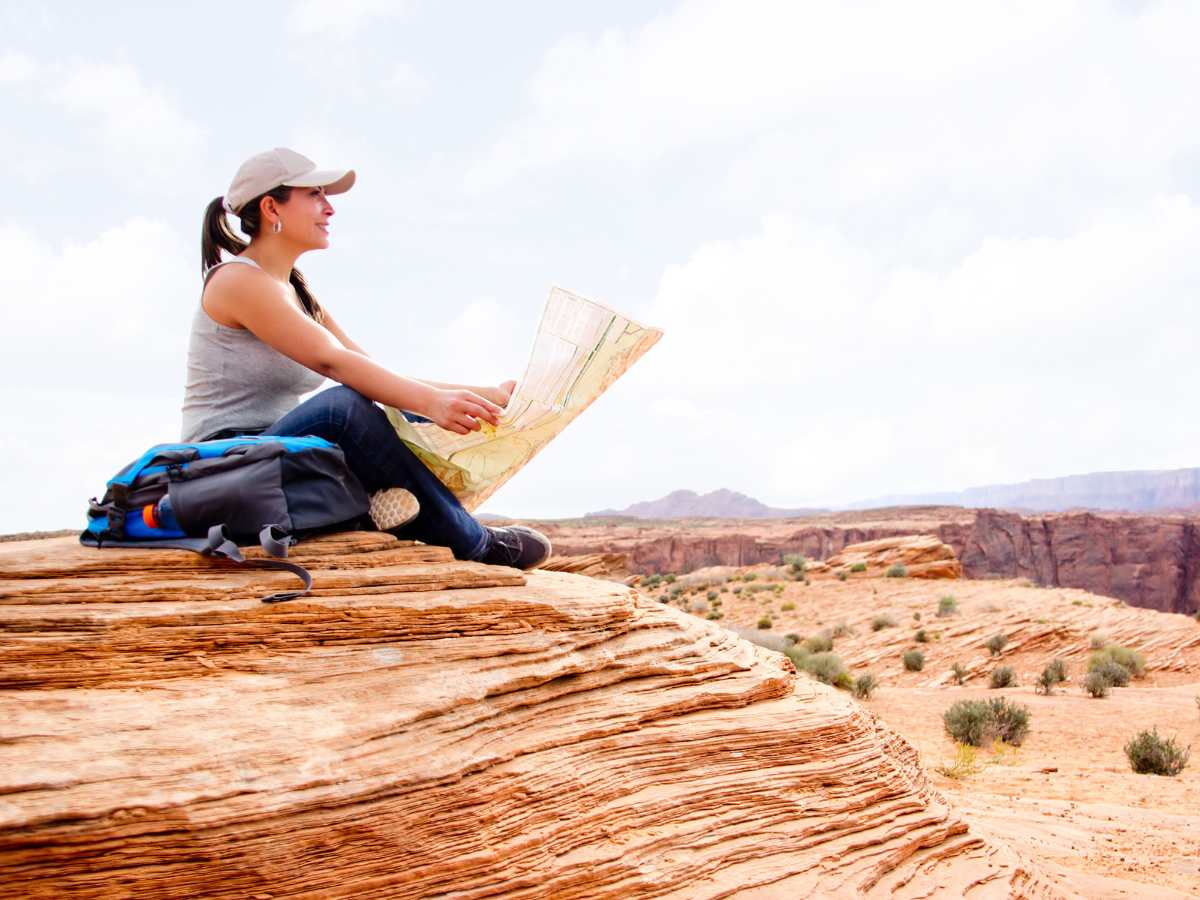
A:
x: 381, y: 460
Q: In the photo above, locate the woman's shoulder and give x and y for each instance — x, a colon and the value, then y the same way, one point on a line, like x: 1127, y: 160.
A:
x: 238, y: 269
x: 229, y: 285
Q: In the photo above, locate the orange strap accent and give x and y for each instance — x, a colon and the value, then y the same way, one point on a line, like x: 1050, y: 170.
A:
x: 149, y: 516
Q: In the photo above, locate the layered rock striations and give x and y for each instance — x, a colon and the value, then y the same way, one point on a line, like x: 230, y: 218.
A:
x: 425, y: 727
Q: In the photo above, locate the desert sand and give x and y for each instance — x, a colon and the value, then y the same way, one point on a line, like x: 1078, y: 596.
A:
x: 1066, y: 798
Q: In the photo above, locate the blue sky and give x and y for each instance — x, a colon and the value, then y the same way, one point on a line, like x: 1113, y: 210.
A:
x: 894, y: 247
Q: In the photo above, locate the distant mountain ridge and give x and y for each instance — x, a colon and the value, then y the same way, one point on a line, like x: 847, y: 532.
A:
x: 719, y: 504
x: 1136, y: 491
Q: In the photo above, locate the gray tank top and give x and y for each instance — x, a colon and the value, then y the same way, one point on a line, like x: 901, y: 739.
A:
x: 234, y: 380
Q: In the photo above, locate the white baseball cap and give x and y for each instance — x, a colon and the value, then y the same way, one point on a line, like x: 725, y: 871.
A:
x: 281, y: 166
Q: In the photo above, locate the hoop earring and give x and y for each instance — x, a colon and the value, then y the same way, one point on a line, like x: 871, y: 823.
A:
x: 277, y: 227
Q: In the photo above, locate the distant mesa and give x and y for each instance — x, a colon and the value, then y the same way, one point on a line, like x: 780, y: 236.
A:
x: 1176, y: 490
x: 1141, y: 491
x: 719, y: 504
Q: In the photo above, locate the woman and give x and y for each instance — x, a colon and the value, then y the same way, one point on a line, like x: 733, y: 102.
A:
x: 260, y: 339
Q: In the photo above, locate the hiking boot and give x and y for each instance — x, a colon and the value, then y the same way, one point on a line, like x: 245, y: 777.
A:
x: 516, y: 546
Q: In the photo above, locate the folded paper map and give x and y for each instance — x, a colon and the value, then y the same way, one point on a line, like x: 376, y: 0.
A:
x: 581, y: 347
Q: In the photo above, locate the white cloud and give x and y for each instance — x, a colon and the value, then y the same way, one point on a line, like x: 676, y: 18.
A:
x: 95, y: 374
x: 849, y: 376
x: 113, y: 310
x: 405, y: 85
x: 141, y: 130
x: 16, y: 67
x: 836, y: 107
x: 343, y: 19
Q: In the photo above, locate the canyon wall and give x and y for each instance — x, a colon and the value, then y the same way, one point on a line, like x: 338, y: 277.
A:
x: 1148, y: 561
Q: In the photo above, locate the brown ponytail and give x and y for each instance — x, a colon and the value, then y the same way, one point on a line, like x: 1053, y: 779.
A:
x: 217, y: 235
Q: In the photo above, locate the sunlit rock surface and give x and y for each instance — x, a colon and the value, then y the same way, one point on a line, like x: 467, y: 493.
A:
x: 422, y: 727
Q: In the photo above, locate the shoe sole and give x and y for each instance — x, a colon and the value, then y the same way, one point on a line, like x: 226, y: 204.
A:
x: 393, y: 508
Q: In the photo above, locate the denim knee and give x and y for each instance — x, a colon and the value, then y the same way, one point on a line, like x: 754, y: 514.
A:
x: 344, y: 404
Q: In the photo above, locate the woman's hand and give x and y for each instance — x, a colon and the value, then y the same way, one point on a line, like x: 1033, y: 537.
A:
x: 461, y: 410
x: 501, y: 394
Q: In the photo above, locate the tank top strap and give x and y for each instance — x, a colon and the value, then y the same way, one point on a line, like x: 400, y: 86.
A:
x: 233, y: 259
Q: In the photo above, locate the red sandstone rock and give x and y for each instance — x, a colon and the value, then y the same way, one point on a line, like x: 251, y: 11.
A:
x: 546, y: 736
x: 922, y: 556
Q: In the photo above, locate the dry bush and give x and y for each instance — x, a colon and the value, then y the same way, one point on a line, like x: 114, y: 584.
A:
x: 1097, y: 684
x: 883, y: 621
x: 1002, y: 677
x: 865, y: 685
x: 1149, y: 754
x: 977, y: 722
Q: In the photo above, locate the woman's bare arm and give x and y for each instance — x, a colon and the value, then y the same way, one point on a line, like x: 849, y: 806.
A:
x: 257, y: 302
x: 337, y: 332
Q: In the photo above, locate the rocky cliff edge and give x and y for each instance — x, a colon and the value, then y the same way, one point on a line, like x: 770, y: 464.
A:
x: 424, y: 727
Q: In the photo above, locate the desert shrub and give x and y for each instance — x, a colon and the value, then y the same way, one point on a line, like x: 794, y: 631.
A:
x: 977, y: 722
x: 896, y: 570
x: 738, y: 589
x: 959, y: 671
x: 841, y: 575
x: 968, y: 722
x: 840, y: 630
x: 914, y: 660
x: 820, y: 643
x: 864, y: 686
x: 1097, y: 641
x: 788, y: 606
x: 699, y: 606
x: 921, y: 637
x: 711, y: 596
x: 1133, y: 661
x: 750, y: 576
x: 1046, y: 682
x: 807, y: 582
x: 826, y: 667
x: 947, y: 606
x: 715, y: 614
x: 669, y: 578
x: 764, y: 622
x: 882, y: 621
x: 858, y: 567
x: 652, y: 581
x: 796, y: 562
x: 996, y: 643
x: 1002, y: 677
x: 1114, y: 673
x: 1096, y: 684
x: 792, y: 637
x: 1150, y: 754
x: 777, y: 588
x: 1011, y: 721
x: 1057, y: 669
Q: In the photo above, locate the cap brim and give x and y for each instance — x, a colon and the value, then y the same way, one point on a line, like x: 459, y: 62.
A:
x: 333, y: 180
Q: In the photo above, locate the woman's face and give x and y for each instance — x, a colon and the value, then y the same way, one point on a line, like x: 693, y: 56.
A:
x: 305, y: 217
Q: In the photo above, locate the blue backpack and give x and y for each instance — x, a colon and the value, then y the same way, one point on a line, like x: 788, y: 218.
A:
x: 212, y: 495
